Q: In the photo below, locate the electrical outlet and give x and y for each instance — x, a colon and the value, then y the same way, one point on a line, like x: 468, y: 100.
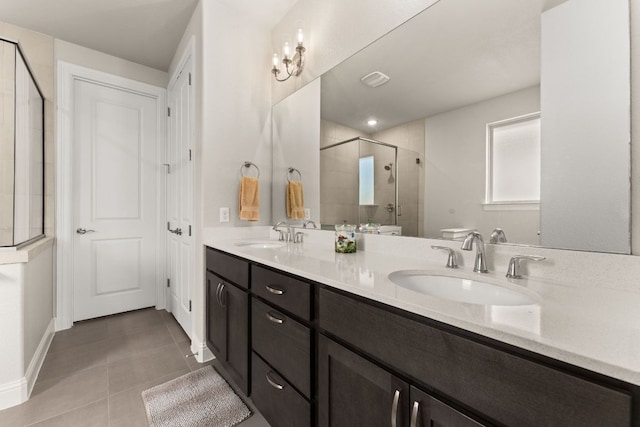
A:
x: 307, y: 213
x: 224, y: 214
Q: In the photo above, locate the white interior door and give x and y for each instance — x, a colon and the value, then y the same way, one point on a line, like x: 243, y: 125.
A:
x: 180, y: 236
x: 114, y: 197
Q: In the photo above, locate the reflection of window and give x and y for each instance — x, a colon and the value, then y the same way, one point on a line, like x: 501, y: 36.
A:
x: 513, y: 161
x: 366, y: 180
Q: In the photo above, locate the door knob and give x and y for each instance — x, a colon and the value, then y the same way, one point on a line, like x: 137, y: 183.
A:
x: 83, y: 231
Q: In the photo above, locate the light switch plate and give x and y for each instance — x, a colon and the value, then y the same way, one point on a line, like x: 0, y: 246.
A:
x: 224, y: 214
x: 307, y: 213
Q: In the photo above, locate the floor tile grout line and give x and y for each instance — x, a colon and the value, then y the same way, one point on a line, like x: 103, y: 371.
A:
x: 63, y: 413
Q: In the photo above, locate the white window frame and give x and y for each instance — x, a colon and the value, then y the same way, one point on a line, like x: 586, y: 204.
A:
x: 489, y: 204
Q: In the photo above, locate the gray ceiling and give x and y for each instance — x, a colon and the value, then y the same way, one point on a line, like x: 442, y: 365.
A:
x: 456, y: 53
x: 143, y: 31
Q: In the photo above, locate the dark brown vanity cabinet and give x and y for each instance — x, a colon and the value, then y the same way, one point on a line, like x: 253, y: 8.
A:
x: 356, y: 392
x: 323, y: 357
x: 281, y: 343
x: 228, y: 314
x: 499, y: 386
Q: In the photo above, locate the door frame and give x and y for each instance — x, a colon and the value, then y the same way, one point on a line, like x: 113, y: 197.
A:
x: 67, y: 74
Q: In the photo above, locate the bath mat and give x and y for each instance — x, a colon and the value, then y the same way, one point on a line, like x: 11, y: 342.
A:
x: 200, y: 398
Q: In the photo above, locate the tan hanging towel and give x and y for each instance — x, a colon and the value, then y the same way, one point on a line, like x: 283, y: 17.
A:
x: 295, y: 200
x: 249, y: 199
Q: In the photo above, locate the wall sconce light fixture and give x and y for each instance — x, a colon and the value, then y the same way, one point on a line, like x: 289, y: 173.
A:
x: 292, y: 65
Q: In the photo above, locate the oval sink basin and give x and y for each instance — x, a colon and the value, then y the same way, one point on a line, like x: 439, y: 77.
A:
x: 459, y: 289
x: 262, y: 244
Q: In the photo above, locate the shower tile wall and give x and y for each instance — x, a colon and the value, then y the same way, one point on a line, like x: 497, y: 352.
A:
x: 410, y: 140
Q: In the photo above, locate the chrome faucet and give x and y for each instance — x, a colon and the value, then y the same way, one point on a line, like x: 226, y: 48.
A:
x: 282, y: 236
x: 513, y: 272
x: 480, y: 265
x: 451, y: 259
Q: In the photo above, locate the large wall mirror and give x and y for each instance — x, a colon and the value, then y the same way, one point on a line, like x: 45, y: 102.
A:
x: 510, y: 114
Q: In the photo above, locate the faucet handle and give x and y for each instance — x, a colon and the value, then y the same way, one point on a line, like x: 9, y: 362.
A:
x: 451, y: 259
x: 513, y: 272
x: 498, y: 236
x: 298, y: 237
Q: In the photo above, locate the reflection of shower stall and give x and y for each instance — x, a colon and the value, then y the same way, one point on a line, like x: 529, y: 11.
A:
x: 364, y: 180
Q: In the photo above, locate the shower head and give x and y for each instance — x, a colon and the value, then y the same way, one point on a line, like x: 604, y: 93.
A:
x: 388, y: 167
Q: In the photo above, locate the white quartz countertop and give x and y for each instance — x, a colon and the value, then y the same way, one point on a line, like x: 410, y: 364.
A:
x: 594, y: 328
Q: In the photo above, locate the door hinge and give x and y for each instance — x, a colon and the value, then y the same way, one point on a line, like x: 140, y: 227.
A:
x: 168, y: 283
x: 168, y: 166
x: 189, y: 231
x: 189, y: 306
x: 168, y: 225
x: 189, y: 79
x: 169, y: 111
x: 189, y: 154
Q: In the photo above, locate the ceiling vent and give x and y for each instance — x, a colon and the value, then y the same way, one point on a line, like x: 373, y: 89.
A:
x: 375, y: 79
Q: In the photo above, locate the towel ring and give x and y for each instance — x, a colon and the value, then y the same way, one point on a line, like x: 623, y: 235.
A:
x: 248, y: 165
x: 292, y: 170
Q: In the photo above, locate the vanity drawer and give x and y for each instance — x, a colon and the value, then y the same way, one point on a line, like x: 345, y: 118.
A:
x: 228, y: 267
x: 288, y: 293
x: 505, y: 387
x: 274, y: 397
x: 284, y: 343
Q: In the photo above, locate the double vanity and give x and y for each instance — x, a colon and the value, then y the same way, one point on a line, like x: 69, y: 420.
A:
x: 390, y: 337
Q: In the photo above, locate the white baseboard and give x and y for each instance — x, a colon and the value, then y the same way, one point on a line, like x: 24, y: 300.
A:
x: 38, y: 358
x: 17, y: 392
x: 13, y: 393
x: 202, y: 352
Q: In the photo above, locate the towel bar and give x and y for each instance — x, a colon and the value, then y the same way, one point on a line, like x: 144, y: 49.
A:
x: 292, y: 170
x: 248, y: 165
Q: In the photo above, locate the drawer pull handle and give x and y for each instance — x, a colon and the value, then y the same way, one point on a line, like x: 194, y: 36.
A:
x: 275, y: 319
x: 273, y: 383
x: 275, y: 290
x: 414, y: 414
x: 218, y: 293
x: 394, y: 409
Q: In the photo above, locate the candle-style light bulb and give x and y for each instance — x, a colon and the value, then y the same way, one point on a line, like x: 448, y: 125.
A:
x: 300, y: 36
x: 286, y: 52
x: 276, y: 61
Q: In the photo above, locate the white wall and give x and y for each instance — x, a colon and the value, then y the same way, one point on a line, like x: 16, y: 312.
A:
x: 296, y: 138
x: 236, y: 111
x: 26, y: 321
x: 635, y: 127
x: 455, y: 154
x: 586, y: 121
x: 335, y: 30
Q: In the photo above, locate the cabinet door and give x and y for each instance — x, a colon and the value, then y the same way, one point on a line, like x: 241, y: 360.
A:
x: 216, y: 318
x: 236, y: 302
x: 427, y: 411
x: 355, y: 392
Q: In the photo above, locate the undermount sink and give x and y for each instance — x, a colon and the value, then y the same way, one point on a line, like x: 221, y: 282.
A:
x: 262, y: 244
x: 459, y: 289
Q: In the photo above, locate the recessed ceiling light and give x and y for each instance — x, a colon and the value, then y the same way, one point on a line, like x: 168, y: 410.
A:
x: 372, y: 122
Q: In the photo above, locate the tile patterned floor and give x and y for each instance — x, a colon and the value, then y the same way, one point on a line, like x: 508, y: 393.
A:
x: 94, y: 372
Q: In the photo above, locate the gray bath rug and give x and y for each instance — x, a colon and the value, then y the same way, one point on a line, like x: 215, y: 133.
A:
x: 200, y: 398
